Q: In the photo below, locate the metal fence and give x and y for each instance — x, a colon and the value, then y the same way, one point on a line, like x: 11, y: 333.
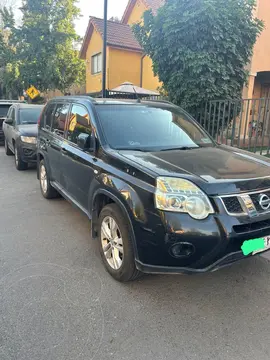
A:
x: 123, y: 95
x: 243, y: 123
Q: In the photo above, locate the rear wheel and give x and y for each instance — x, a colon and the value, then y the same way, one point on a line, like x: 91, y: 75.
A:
x: 46, y: 188
x: 19, y: 163
x: 7, y: 149
x: 115, y: 244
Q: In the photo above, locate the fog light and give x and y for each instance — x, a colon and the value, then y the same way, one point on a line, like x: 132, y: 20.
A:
x: 182, y: 250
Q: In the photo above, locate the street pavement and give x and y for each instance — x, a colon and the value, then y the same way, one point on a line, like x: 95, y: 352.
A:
x: 58, y: 303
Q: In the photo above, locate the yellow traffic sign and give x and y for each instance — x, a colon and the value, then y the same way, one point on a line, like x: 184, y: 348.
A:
x: 32, y: 92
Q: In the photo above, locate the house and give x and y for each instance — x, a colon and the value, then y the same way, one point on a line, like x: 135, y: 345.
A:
x: 257, y: 110
x: 125, y: 58
x: 259, y: 74
x: 127, y: 62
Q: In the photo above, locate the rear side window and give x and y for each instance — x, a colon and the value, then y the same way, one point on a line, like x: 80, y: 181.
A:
x: 59, y: 119
x: 79, y: 123
x: 46, y: 119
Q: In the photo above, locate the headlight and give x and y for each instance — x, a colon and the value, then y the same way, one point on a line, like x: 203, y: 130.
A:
x: 29, y: 139
x: 180, y: 195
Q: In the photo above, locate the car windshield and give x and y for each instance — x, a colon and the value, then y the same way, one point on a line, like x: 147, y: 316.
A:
x: 4, y: 110
x: 148, y: 128
x: 29, y: 115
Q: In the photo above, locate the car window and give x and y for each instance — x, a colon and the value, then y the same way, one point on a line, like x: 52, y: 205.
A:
x: 79, y: 123
x: 4, y: 110
x: 8, y: 115
x: 11, y: 114
x: 150, y: 128
x: 46, y: 119
x: 59, y: 119
x: 29, y: 115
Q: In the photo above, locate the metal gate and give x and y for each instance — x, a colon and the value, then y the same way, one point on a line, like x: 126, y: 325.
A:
x: 243, y: 123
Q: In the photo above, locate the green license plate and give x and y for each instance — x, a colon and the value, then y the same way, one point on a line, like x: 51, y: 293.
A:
x: 256, y: 245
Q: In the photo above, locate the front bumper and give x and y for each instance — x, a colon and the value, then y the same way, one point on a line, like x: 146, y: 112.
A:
x: 28, y: 152
x: 216, y: 240
x: 225, y: 261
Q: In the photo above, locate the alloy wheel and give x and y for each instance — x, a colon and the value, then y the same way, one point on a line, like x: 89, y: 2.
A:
x: 43, y: 179
x: 16, y: 156
x: 112, y: 243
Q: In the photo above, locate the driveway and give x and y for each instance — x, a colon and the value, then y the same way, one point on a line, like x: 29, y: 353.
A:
x: 58, y: 303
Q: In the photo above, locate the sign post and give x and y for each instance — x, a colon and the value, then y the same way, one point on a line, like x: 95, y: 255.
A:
x: 104, y: 62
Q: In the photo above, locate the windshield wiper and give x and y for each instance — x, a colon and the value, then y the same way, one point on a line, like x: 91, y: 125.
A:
x: 181, y: 148
x: 133, y: 149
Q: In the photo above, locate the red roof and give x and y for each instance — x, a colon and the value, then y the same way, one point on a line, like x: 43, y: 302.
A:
x: 119, y: 35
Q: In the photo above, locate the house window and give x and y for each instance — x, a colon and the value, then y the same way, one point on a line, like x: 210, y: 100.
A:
x: 96, y: 63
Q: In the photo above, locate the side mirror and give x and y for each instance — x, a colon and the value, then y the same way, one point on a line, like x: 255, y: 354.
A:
x: 86, y: 142
x: 9, y: 121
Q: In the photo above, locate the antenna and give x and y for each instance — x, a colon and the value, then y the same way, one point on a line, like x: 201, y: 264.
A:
x: 137, y: 96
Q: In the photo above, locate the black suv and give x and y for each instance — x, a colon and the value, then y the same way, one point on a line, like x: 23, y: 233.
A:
x: 162, y: 196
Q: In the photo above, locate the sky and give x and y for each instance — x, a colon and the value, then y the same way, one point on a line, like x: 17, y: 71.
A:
x: 91, y: 8
x: 95, y: 8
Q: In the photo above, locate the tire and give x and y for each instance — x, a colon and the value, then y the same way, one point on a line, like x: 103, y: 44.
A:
x: 19, y: 163
x: 46, y: 188
x: 127, y: 270
x: 7, y: 149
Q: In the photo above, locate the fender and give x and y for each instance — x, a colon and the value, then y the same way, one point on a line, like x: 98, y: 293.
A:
x: 122, y: 191
x: 123, y: 208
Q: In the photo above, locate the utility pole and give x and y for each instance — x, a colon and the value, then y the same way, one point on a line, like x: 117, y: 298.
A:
x: 104, y: 62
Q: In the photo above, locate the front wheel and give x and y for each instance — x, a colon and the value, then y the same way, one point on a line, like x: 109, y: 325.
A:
x: 115, y: 244
x: 19, y: 163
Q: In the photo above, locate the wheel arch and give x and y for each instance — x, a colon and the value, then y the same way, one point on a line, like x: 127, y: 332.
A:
x: 40, y: 156
x: 102, y: 198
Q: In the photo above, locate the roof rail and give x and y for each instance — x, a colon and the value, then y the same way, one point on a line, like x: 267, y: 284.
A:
x: 76, y: 96
x: 159, y: 100
x: 86, y: 95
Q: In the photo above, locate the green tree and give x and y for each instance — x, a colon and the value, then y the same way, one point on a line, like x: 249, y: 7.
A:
x: 44, y: 54
x: 46, y: 43
x: 200, y: 48
x: 10, y: 81
x: 5, y: 11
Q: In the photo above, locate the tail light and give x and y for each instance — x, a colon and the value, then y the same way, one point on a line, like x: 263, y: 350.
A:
x: 40, y: 117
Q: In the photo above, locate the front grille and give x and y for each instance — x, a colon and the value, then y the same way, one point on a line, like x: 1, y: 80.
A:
x: 247, y: 203
x: 256, y: 198
x: 260, y: 225
x: 232, y: 205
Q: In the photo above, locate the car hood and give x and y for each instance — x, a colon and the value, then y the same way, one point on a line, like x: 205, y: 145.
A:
x: 220, y: 169
x: 28, y: 130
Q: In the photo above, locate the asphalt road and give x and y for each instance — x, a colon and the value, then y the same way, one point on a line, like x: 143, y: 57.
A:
x: 58, y: 303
